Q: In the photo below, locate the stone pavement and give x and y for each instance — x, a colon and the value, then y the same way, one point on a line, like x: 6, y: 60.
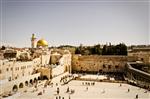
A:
x: 81, y: 90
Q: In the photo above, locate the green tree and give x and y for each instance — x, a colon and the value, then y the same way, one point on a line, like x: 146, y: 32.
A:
x: 104, y: 50
x: 77, y: 51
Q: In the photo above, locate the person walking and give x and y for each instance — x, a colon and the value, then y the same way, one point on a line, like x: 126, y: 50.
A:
x: 128, y: 90
x: 58, y: 90
x: 69, y: 97
x: 43, y: 91
x: 120, y: 85
x: 87, y: 88
x: 103, y: 91
x: 59, y: 97
x: 82, y: 83
x: 136, y: 96
x: 68, y: 89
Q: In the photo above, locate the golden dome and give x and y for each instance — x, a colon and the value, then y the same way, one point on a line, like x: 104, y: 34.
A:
x: 42, y: 43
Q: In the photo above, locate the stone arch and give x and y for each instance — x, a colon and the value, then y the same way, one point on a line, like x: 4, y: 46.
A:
x: 15, y: 88
x: 31, y: 81
x: 26, y: 83
x: 21, y: 85
x: 45, y: 77
x: 39, y: 78
x: 35, y: 80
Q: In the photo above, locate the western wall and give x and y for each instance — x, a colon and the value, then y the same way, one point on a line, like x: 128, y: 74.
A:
x: 97, y: 63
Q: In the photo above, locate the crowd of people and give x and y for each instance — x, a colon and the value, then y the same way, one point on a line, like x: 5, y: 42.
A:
x: 88, y: 83
x: 65, y: 79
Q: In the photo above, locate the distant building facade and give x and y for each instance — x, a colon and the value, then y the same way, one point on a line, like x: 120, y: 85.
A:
x: 142, y: 54
x: 18, y: 69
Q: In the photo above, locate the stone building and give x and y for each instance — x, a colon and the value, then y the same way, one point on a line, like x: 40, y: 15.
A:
x: 18, y: 74
x: 20, y: 68
x: 61, y: 62
x: 142, y: 54
x: 55, y: 57
x: 46, y: 72
x: 15, y: 75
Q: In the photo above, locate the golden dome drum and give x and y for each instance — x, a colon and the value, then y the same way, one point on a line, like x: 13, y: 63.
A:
x: 42, y: 43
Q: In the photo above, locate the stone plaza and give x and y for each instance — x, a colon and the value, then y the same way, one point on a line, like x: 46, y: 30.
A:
x: 83, y: 90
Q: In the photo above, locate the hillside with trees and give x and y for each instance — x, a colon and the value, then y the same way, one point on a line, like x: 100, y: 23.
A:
x: 119, y: 49
x: 107, y: 49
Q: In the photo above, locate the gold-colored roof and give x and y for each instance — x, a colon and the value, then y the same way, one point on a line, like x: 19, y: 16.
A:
x: 42, y: 43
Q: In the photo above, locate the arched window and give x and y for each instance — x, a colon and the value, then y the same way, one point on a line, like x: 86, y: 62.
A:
x: 21, y: 85
x: 15, y: 88
x: 26, y: 83
x: 45, y: 78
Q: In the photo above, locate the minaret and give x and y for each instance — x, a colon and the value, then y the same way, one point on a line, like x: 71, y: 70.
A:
x: 33, y: 41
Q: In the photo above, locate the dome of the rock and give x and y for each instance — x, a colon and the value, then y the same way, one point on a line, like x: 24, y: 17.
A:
x: 42, y: 43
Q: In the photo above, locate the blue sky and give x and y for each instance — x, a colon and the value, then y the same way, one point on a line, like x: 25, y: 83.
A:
x: 75, y: 21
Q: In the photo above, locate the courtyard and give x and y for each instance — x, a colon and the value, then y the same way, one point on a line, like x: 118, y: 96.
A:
x: 83, y: 90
